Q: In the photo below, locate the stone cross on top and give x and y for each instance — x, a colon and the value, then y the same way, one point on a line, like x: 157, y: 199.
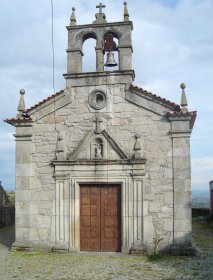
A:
x: 100, y: 6
x: 100, y: 17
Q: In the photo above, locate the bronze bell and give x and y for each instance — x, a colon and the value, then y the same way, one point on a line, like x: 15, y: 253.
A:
x: 110, y: 60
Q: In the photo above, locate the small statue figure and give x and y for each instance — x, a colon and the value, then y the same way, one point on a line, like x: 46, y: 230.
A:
x: 98, y: 151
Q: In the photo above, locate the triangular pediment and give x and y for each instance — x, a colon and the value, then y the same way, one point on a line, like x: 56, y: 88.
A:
x: 99, y: 146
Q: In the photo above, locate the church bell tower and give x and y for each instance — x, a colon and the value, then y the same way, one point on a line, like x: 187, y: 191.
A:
x: 105, y: 34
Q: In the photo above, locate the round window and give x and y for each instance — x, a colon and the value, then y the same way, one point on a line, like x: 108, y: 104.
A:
x: 97, y: 99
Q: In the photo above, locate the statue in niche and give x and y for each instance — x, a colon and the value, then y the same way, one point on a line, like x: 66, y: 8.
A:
x: 98, y: 149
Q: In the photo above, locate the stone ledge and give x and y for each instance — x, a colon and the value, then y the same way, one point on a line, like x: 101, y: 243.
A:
x: 100, y: 25
x: 30, y: 246
x: 138, y: 250
x: 21, y: 246
x: 87, y: 75
x: 183, y: 250
x: 60, y: 248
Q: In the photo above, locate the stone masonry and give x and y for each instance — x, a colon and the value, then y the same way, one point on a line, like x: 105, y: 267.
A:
x: 101, y: 128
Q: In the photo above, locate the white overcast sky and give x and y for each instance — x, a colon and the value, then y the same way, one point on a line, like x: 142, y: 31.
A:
x: 172, y: 43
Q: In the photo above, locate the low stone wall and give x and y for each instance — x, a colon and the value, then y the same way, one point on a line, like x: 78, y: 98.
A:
x: 196, y: 212
x: 7, y: 216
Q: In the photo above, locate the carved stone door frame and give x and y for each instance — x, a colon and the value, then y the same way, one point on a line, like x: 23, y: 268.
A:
x: 69, y: 177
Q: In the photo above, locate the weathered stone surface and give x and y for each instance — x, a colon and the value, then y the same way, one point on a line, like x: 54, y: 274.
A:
x: 53, y: 119
x: 154, y: 207
x: 153, y: 172
x: 43, y: 234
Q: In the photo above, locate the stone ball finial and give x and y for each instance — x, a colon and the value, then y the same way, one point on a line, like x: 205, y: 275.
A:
x: 21, y: 104
x: 73, y: 17
x: 183, y: 85
x: 125, y: 3
x: 22, y: 91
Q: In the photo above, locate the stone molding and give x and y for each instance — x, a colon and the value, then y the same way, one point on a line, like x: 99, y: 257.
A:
x: 99, y: 74
x: 125, y: 47
x: 75, y: 50
x: 180, y: 134
x: 100, y: 78
x: 66, y: 211
x: 101, y: 25
x: 89, y: 155
x: 147, y: 102
x: 23, y: 137
x: 20, y: 122
x: 54, y: 101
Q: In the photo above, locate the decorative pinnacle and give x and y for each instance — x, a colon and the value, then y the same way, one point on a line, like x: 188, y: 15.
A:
x: 73, y: 17
x: 184, y: 102
x: 60, y: 144
x: 21, y: 104
x: 126, y: 13
x: 137, y: 147
x: 183, y: 85
x: 137, y: 143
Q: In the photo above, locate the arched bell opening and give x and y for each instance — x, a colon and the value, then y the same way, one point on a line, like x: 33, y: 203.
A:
x: 110, y: 48
x: 89, y: 58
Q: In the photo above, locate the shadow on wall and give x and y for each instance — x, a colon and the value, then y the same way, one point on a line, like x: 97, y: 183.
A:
x: 7, y: 216
x: 7, y: 236
x: 182, y: 246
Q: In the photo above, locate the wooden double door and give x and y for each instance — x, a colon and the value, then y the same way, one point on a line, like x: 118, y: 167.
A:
x: 100, y: 218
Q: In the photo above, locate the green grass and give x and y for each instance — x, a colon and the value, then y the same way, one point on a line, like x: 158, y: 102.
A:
x: 155, y: 257
x: 202, y: 232
x: 7, y: 229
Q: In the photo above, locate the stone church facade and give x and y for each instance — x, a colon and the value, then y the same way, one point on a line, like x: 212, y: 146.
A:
x: 103, y: 165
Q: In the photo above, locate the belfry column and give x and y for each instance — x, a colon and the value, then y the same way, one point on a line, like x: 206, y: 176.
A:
x: 125, y: 45
x: 99, y: 56
x: 99, y: 60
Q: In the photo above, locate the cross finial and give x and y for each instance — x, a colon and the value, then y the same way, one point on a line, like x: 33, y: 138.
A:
x: 100, y: 6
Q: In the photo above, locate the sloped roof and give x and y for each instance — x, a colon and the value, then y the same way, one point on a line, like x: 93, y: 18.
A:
x: 155, y: 97
x: 26, y: 116
x: 192, y: 114
x: 175, y: 108
x: 132, y: 87
x: 14, y: 121
x: 45, y: 100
